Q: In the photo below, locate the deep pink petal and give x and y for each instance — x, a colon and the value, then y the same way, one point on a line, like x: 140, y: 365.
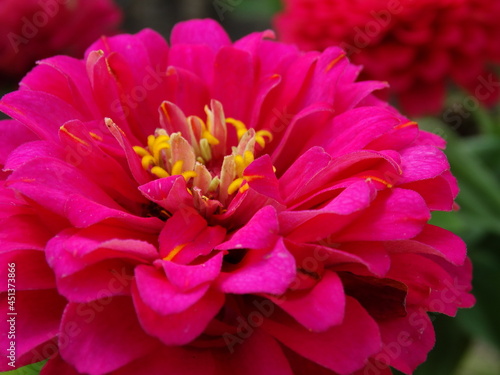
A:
x: 259, y: 354
x: 205, y: 32
x: 186, y: 235
x: 187, y: 277
x: 161, y: 296
x: 169, y: 193
x: 259, y: 233
x: 433, y: 240
x: 422, y: 162
x: 36, y: 274
x: 57, y: 366
x: 261, y: 271
x: 42, y: 113
x: 343, y: 349
x: 317, y: 309
x: 396, y: 214
x: 406, y: 341
x: 180, y: 328
x: 108, y: 333
x: 14, y: 134
x: 38, y: 313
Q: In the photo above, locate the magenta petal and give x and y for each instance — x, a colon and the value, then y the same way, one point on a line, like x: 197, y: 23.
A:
x: 73, y: 250
x: 42, y: 113
x: 343, y: 349
x: 180, y: 328
x: 433, y: 240
x: 187, y: 277
x: 37, y: 320
x: 173, y: 360
x: 205, y: 32
x: 395, y: 214
x: 36, y: 273
x: 266, y: 183
x: 406, y: 341
x: 294, y: 179
x: 161, y: 296
x: 311, y: 225
x: 170, y: 193
x: 107, y: 332
x: 188, y: 231
x: 31, y: 150
x: 14, y: 134
x: 57, y: 366
x: 64, y: 77
x: 260, y: 232
x: 53, y: 185
x: 259, y: 354
x: 317, y: 309
x: 261, y: 272
x: 422, y: 162
x: 22, y: 232
x: 235, y: 77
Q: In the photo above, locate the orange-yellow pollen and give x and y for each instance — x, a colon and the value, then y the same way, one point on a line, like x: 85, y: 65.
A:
x: 174, y: 252
x: 406, y: 124
x: 335, y: 61
x: 382, y: 181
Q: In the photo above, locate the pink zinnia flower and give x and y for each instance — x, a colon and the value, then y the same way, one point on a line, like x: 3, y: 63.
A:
x: 36, y: 29
x: 218, y: 208
x: 419, y: 47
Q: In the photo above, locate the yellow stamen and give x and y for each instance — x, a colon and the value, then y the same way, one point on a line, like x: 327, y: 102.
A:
x: 240, y: 127
x: 189, y: 174
x: 373, y: 178
x: 261, y: 141
x: 147, y: 161
x: 210, y: 138
x: 235, y: 185
x: 174, y: 252
x: 140, y: 151
x: 261, y: 135
x: 157, y: 150
x: 151, y: 142
x: 177, y: 168
x: 248, y: 157
x: 159, y: 172
x: 239, y: 164
x: 244, y: 188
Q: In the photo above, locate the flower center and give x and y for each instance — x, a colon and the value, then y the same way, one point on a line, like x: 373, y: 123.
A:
x: 199, y: 152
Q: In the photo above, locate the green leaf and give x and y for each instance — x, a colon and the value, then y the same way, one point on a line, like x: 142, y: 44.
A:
x: 33, y: 369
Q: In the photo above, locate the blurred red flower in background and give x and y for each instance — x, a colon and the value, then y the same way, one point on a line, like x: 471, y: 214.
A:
x: 34, y: 29
x: 419, y: 47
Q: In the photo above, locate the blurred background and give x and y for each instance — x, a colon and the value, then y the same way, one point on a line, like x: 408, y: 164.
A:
x: 470, y: 343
